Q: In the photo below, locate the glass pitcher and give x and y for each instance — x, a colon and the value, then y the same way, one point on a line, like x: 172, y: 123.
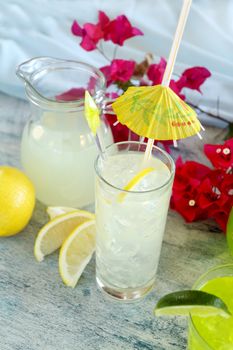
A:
x: 57, y: 148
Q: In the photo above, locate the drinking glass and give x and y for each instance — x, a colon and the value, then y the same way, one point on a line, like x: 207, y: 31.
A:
x: 130, y: 222
x: 215, y: 326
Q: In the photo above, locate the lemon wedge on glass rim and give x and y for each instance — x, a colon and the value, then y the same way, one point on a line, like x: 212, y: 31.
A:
x: 53, y: 234
x: 76, y: 252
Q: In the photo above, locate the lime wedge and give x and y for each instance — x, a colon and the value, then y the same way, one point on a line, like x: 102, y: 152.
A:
x: 134, y: 181
x: 191, y: 301
x: 230, y: 231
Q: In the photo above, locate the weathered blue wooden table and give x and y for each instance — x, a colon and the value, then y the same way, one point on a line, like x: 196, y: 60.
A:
x: 38, y: 312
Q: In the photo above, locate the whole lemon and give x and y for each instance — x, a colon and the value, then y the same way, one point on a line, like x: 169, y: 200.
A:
x: 17, y: 200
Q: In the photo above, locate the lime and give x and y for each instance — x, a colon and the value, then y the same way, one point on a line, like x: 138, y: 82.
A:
x: 230, y: 231
x: 191, y: 301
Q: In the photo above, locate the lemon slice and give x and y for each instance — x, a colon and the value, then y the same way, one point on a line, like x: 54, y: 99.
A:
x: 76, y: 252
x: 195, y: 302
x: 53, y: 234
x: 56, y: 211
x: 134, y: 181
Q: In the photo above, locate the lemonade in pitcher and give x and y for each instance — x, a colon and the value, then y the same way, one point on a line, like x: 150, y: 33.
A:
x: 58, y: 149
x: 57, y: 153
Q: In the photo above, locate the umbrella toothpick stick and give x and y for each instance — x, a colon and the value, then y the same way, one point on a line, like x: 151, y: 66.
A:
x: 172, y: 58
x: 92, y: 114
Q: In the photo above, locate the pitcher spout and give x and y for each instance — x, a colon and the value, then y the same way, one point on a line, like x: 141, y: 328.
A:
x: 26, y: 69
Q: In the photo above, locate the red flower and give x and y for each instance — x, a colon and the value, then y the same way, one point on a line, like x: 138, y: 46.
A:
x: 193, y: 78
x: 221, y: 156
x: 186, y: 204
x: 189, y: 175
x: 119, y: 70
x: 90, y: 34
x: 155, y: 71
x: 221, y: 215
x: 227, y: 186
x: 211, y: 195
x: 185, y: 195
x: 120, y: 29
x: 200, y: 192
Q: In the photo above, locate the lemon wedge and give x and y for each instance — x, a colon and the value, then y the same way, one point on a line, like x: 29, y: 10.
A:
x: 76, y: 252
x: 53, y: 234
x: 56, y: 211
x: 133, y: 182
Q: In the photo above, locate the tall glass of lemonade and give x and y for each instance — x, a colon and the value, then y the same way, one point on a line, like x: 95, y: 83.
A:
x: 132, y: 199
x: 214, y: 332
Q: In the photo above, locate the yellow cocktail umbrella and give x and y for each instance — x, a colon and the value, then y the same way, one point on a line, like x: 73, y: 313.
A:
x: 156, y: 112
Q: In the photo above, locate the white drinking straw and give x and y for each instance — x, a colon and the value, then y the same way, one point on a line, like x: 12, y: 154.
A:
x: 172, y: 58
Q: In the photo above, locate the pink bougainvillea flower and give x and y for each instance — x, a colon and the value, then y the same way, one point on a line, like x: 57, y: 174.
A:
x: 120, y: 29
x: 71, y: 95
x: 106, y: 70
x: 176, y: 89
x: 90, y: 34
x: 221, y: 156
x: 122, y: 70
x: 76, y: 29
x: 103, y: 22
x: 155, y: 71
x: 119, y: 70
x: 193, y: 78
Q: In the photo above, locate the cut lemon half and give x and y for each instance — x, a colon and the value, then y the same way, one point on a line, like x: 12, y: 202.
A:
x: 56, y: 211
x: 76, y: 252
x: 53, y: 234
x: 134, y: 182
x: 191, y: 301
x: 229, y: 233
